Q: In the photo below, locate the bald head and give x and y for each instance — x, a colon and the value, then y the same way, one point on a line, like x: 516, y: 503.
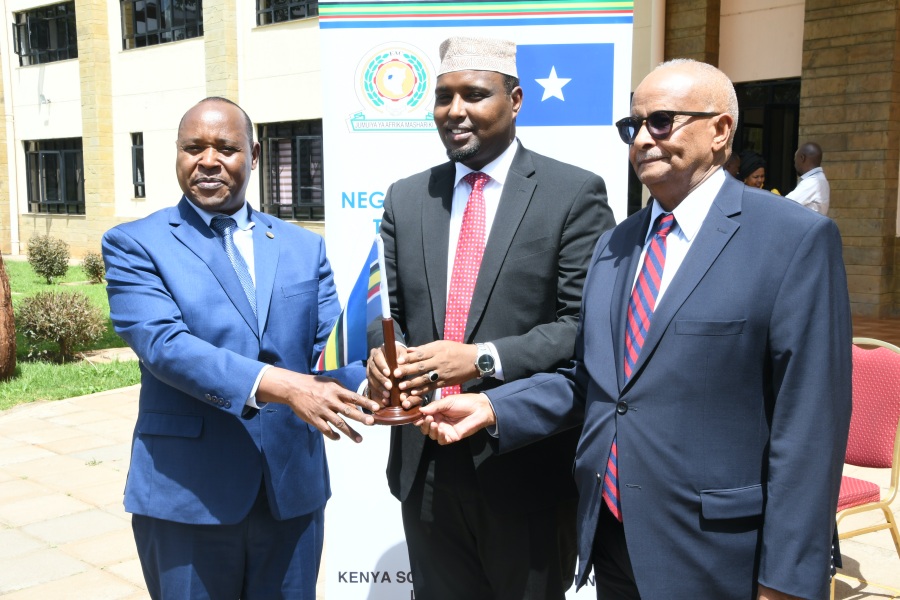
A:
x: 807, y: 157
x: 712, y: 87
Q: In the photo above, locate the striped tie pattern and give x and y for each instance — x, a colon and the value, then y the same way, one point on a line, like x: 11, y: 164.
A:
x: 469, y: 250
x: 637, y: 324
x: 225, y: 227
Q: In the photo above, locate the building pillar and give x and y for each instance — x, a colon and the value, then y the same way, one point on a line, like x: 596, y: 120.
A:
x: 83, y: 233
x: 5, y: 212
x: 221, y: 46
x: 692, y: 30
x: 850, y: 106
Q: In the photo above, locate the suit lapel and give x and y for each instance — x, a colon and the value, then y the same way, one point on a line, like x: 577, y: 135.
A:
x: 517, y: 193
x: 266, y: 248
x: 436, y: 239
x: 191, y: 231
x: 625, y: 276
x: 717, y: 229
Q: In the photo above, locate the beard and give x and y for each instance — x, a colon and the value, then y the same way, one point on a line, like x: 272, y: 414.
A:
x: 464, y: 153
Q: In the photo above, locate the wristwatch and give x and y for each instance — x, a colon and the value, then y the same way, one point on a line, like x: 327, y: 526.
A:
x: 484, y: 361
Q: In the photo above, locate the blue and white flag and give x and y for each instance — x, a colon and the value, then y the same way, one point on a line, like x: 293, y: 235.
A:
x: 566, y: 84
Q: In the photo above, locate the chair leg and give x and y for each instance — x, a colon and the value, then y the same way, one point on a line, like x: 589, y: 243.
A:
x: 892, y: 521
x: 832, y: 588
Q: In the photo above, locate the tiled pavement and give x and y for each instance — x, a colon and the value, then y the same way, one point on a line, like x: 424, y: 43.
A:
x: 65, y: 536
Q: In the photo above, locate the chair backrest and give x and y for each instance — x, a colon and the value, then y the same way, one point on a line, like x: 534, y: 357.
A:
x: 876, y: 404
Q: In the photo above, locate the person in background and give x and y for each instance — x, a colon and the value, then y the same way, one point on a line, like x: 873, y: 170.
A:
x: 711, y: 380
x: 812, y: 190
x: 753, y: 169
x: 486, y: 256
x: 227, y: 309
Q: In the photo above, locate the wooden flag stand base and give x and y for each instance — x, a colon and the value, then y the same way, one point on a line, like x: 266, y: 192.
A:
x: 394, y: 414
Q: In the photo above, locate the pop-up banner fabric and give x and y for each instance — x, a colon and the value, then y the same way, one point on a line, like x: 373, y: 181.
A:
x: 379, y: 64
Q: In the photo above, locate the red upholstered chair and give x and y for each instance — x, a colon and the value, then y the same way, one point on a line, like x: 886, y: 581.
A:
x: 874, y: 440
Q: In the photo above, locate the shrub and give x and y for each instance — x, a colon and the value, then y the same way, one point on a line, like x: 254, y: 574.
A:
x: 48, y: 256
x: 67, y: 319
x: 93, y: 267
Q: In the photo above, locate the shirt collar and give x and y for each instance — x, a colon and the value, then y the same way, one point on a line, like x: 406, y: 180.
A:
x: 811, y: 172
x: 497, y: 169
x: 241, y: 217
x: 689, y: 215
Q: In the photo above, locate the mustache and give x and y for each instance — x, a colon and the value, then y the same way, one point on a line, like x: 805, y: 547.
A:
x: 652, y: 154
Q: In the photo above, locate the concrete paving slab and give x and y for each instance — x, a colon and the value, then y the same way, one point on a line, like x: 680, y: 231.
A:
x: 20, y: 453
x: 81, y: 443
x: 90, y: 585
x: 37, y: 567
x: 14, y: 542
x: 78, y: 526
x: 106, y: 494
x: 36, y: 510
x: 105, y: 550
x: 21, y: 489
x: 129, y: 570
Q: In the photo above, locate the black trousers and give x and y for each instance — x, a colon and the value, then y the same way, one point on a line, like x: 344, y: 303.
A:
x: 612, y: 565
x: 462, y: 548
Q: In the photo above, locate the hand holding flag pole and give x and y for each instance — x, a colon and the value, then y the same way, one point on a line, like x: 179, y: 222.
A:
x: 394, y: 414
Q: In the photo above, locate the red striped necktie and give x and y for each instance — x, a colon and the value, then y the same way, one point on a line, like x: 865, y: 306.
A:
x: 469, y: 250
x: 637, y: 324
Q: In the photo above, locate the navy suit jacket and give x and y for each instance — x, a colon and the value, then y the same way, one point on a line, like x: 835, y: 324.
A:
x: 198, y: 454
x: 732, y: 429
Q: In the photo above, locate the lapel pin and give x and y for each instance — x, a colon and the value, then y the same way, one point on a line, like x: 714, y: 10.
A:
x: 270, y: 235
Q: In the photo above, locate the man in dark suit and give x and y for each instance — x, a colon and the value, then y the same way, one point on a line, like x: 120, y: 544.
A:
x: 228, y: 482
x: 477, y: 525
x: 711, y: 376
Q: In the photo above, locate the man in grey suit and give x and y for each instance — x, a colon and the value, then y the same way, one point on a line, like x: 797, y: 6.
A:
x: 477, y: 525
x: 711, y: 373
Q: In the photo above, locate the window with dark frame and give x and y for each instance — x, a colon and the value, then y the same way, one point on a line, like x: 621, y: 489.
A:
x: 278, y: 11
x: 137, y: 164
x: 291, y: 158
x: 45, y: 34
x: 55, y: 176
x: 152, y: 22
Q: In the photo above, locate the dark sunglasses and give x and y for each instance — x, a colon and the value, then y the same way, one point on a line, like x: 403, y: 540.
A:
x: 659, y: 124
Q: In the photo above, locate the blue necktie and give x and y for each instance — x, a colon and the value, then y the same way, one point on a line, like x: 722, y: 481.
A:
x: 225, y: 227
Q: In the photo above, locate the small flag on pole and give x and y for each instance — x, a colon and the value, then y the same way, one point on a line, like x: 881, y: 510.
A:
x: 347, y: 341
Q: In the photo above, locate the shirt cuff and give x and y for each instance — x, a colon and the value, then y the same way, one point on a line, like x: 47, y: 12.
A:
x: 251, y: 401
x: 498, y: 366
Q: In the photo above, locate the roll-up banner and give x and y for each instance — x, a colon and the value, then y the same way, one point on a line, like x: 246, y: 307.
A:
x: 379, y: 64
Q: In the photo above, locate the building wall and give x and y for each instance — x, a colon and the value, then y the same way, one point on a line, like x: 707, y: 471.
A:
x: 850, y: 105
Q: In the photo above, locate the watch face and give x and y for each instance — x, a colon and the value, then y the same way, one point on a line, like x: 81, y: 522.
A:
x: 485, y: 362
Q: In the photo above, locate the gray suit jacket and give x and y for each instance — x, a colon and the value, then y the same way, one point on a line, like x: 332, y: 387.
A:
x: 526, y: 301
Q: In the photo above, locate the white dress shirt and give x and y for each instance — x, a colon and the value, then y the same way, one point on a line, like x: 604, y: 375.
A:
x: 813, y: 191
x: 689, y: 216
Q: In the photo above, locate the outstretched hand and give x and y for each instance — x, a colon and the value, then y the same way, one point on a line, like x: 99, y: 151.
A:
x: 320, y: 401
x: 454, y: 418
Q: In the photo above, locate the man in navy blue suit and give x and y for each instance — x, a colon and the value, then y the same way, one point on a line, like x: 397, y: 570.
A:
x: 227, y: 309
x: 713, y: 439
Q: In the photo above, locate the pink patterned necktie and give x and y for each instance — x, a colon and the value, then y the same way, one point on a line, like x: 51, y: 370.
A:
x: 637, y: 324
x: 469, y: 249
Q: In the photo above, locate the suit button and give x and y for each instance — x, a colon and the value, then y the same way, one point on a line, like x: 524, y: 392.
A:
x: 208, y: 397
x: 621, y: 407
x: 227, y: 404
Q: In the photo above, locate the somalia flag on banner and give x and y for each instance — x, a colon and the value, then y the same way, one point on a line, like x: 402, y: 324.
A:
x: 566, y: 84
x: 347, y: 341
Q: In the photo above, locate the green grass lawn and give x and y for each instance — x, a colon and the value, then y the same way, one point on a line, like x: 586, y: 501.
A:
x: 40, y: 380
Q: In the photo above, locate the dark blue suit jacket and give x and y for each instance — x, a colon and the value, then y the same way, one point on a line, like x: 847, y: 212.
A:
x: 199, y: 455
x: 731, y: 431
